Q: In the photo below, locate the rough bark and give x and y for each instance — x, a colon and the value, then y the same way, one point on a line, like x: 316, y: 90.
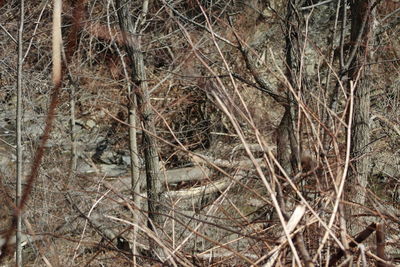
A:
x: 132, y: 39
x: 134, y: 49
x: 361, y: 30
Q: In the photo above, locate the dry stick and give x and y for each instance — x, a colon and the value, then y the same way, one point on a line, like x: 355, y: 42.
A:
x: 133, y: 148
x: 34, y: 34
x: 298, y: 230
x: 57, y: 81
x: 346, y: 262
x: 18, y: 237
x: 373, y: 256
x: 315, y: 5
x: 8, y: 33
x: 86, y: 223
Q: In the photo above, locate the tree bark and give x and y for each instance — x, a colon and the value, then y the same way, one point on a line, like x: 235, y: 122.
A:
x: 361, y: 31
x: 132, y: 38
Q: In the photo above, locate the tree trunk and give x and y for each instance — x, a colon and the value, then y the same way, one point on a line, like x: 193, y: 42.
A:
x: 287, y: 146
x: 132, y: 38
x: 361, y: 31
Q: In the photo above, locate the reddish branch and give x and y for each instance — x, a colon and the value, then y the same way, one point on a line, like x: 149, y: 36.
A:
x: 38, y: 156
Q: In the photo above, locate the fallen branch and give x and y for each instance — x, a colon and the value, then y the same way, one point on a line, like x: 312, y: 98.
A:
x: 186, y: 174
x: 201, y: 190
x: 214, y: 255
x: 173, y: 176
x: 243, y: 164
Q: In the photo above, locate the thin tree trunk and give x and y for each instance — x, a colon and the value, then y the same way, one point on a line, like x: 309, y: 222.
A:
x: 74, y: 155
x: 19, y: 137
x: 288, y: 152
x: 132, y: 38
x: 135, y: 170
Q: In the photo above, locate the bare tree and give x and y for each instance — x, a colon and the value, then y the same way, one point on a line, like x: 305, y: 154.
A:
x: 132, y: 34
x: 259, y: 112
